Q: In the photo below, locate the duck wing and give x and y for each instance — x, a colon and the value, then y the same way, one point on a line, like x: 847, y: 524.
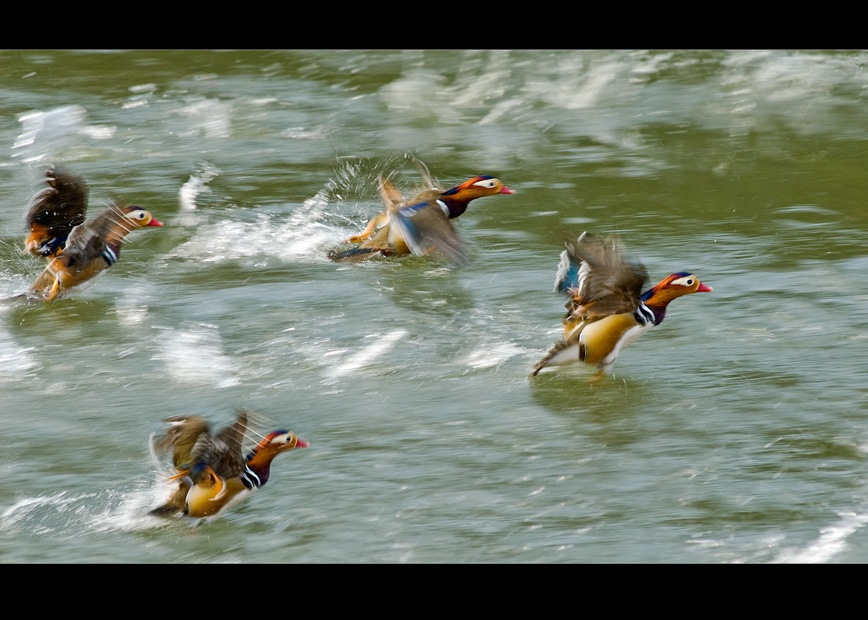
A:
x: 392, y: 198
x: 90, y: 239
x: 425, y: 227
x: 55, y: 211
x: 180, y: 437
x: 599, y: 278
x: 223, y: 452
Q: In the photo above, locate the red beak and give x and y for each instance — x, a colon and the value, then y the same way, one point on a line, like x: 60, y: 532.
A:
x: 302, y: 444
x: 703, y: 288
x: 506, y: 190
x: 155, y: 222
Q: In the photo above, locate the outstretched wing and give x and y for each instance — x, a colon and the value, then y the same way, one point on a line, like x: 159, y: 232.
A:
x: 599, y: 278
x: 392, y: 198
x: 425, y: 228
x: 180, y: 437
x: 88, y: 240
x: 223, y: 452
x: 55, y: 211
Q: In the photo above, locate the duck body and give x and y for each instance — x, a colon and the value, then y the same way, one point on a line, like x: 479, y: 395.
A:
x: 420, y: 225
x: 606, y: 308
x: 78, y: 250
x: 212, y: 472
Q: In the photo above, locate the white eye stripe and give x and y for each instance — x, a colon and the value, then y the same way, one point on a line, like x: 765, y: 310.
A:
x: 488, y: 183
x: 138, y: 215
x: 687, y: 281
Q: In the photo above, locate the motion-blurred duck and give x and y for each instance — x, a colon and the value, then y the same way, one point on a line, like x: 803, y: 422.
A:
x: 78, y: 250
x: 212, y: 472
x: 607, y: 309
x: 420, y: 225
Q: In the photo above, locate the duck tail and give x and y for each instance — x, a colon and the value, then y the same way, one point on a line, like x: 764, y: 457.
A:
x: 353, y: 255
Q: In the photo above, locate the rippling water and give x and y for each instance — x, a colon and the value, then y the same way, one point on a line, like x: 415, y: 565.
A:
x: 734, y: 432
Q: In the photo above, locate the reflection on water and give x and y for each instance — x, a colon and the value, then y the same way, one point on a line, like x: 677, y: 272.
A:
x: 733, y: 432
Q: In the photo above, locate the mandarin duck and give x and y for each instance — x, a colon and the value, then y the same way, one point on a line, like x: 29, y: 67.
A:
x: 421, y: 224
x: 607, y: 309
x: 77, y: 250
x: 212, y: 472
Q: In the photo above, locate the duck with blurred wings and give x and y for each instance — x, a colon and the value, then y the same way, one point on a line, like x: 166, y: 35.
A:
x: 606, y: 308
x: 78, y: 250
x: 421, y: 225
x: 211, y: 471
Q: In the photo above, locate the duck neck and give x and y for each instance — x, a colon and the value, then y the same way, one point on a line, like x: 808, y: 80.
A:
x: 114, y: 229
x: 452, y: 206
x: 258, y: 468
x: 651, y: 310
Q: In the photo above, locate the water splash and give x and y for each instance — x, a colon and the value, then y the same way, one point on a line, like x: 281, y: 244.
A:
x: 304, y: 235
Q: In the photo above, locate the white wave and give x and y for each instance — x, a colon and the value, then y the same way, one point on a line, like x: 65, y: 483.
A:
x: 207, y: 118
x: 197, y: 184
x: 368, y: 355
x: 490, y: 356
x: 48, y: 133
x: 832, y: 541
x: 131, y: 304
x: 195, y: 355
x: 15, y: 361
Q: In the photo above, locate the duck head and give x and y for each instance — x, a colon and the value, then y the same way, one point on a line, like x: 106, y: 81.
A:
x: 672, y: 287
x: 259, y: 459
x: 140, y: 217
x: 456, y: 199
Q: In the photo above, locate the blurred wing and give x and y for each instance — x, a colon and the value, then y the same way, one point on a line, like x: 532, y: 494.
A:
x: 426, y: 230
x: 233, y: 435
x: 599, y: 278
x: 55, y: 211
x: 223, y: 452
x: 392, y: 198
x: 179, y: 439
x: 88, y: 240
x: 430, y: 183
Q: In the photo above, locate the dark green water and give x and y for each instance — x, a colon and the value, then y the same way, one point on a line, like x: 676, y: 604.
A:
x: 733, y: 433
